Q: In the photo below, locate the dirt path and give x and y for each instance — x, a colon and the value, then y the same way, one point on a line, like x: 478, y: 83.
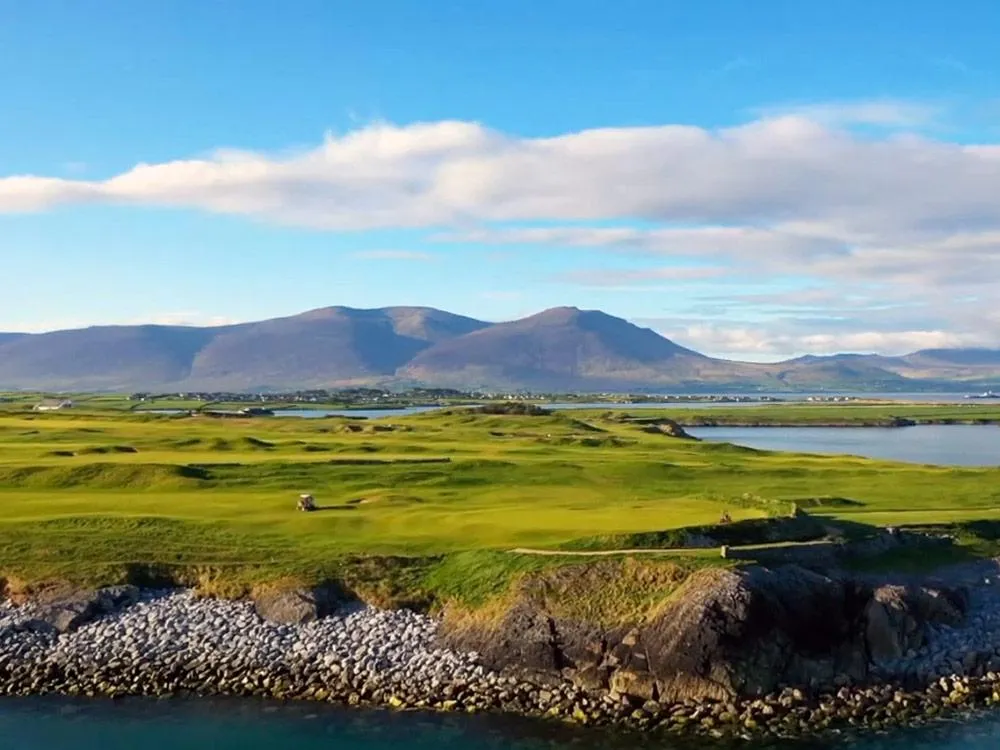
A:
x: 608, y: 552
x: 665, y: 550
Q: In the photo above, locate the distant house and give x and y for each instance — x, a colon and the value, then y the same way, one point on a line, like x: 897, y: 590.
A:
x: 51, y: 404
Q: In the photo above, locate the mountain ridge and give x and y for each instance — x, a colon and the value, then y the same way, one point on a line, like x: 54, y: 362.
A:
x: 561, y: 348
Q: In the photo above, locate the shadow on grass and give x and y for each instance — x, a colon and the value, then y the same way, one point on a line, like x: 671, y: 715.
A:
x: 324, y: 508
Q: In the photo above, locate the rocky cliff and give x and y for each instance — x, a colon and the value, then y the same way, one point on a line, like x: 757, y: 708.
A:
x: 724, y: 633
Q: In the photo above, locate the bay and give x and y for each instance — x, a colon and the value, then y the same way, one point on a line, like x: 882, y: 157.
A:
x: 944, y: 445
x: 209, y: 724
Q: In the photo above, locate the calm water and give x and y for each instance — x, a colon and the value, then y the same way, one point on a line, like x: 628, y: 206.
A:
x: 45, y: 724
x: 793, y: 397
x: 361, y: 413
x: 951, y: 445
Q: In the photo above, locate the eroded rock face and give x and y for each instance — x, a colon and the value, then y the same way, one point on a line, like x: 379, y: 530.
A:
x: 297, y: 606
x: 726, y: 633
x: 670, y: 428
x: 66, y: 609
x: 896, y: 618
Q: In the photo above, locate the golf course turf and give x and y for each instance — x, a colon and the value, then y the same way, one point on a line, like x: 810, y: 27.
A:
x: 427, y: 505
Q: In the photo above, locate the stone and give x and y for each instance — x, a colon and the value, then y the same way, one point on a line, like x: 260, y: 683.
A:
x: 297, y: 606
x: 638, y: 685
x: 591, y: 678
x: 65, y: 610
x: 881, y: 632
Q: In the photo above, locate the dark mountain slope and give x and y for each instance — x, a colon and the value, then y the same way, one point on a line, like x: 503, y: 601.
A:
x: 840, y: 372
x: 320, y: 347
x: 559, y: 348
x: 101, y: 358
x: 955, y: 357
x: 942, y: 365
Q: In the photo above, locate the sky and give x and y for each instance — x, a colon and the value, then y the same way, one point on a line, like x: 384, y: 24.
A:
x: 756, y: 180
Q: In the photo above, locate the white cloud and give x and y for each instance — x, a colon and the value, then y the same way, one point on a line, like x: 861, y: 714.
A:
x: 777, y: 342
x: 882, y: 112
x: 905, y: 259
x: 185, y: 319
x: 795, y: 195
x: 644, y: 277
x: 776, y: 169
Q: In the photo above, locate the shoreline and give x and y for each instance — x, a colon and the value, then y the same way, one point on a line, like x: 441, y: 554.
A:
x: 172, y: 643
x: 889, y: 424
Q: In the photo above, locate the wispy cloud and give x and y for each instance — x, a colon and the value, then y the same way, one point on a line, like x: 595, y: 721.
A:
x: 733, y: 65
x: 415, y: 255
x: 190, y: 318
x: 882, y: 112
x: 952, y: 64
x: 784, y: 340
x: 658, y: 277
x: 452, y: 173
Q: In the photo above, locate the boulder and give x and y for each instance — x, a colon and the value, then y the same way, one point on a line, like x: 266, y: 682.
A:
x: 896, y: 617
x: 591, y: 677
x: 749, y: 632
x: 65, y: 609
x: 882, y: 632
x: 297, y: 606
x: 524, y: 638
x: 640, y: 686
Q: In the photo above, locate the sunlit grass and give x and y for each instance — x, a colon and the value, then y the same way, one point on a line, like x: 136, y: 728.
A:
x: 84, y: 493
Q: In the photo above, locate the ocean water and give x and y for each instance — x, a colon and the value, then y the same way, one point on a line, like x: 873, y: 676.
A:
x: 54, y: 724
x: 945, y: 445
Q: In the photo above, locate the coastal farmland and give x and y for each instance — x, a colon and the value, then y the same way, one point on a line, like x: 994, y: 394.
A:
x: 93, y: 495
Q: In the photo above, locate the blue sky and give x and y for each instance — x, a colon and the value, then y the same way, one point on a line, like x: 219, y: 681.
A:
x: 756, y: 180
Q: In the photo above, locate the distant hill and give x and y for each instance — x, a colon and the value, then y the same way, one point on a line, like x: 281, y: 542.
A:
x: 840, y: 372
x: 943, y: 366
x: 957, y: 357
x: 331, y: 345
x: 559, y: 349
x: 335, y: 345
x: 100, y: 358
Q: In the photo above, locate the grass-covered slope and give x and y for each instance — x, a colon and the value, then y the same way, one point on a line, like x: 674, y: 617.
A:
x: 438, y: 499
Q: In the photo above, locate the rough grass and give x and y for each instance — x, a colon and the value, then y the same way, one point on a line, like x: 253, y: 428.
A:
x: 448, y: 492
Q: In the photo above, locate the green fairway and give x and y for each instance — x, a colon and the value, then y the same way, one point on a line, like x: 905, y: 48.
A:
x: 87, y: 494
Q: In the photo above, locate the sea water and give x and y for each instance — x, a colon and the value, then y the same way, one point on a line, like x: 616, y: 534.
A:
x: 175, y: 724
x: 210, y: 724
x: 945, y: 445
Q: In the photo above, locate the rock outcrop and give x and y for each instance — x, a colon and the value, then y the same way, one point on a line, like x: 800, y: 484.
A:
x: 64, y: 609
x: 668, y: 427
x: 896, y: 618
x: 725, y: 633
x: 297, y: 606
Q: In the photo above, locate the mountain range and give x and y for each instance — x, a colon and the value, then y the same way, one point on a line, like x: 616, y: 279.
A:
x: 561, y: 349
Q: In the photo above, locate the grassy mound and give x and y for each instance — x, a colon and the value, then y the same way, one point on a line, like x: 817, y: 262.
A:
x: 103, y: 476
x: 451, y: 493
